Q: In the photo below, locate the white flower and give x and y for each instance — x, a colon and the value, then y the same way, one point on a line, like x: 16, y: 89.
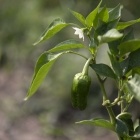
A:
x: 79, y: 32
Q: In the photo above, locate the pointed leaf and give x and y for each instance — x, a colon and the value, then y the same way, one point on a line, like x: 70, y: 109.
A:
x: 91, y: 18
x: 104, y: 15
x: 104, y: 70
x: 79, y: 16
x: 67, y: 45
x: 109, y: 36
x: 123, y: 25
x: 98, y: 122
x: 115, y: 13
x: 57, y: 25
x: 129, y: 46
x: 42, y: 68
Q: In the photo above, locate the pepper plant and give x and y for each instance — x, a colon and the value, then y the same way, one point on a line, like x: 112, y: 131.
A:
x: 101, y: 26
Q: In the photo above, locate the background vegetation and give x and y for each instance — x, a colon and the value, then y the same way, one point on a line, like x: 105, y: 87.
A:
x: 48, y: 115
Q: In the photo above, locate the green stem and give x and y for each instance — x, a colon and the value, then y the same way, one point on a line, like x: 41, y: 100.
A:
x: 85, y: 69
x: 103, y: 89
x: 128, y: 104
x: 106, y: 101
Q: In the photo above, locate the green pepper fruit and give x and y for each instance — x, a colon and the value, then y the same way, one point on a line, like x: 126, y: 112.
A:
x: 80, y: 88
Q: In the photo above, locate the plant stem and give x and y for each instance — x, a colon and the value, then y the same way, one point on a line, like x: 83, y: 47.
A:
x: 106, y: 101
x: 85, y: 69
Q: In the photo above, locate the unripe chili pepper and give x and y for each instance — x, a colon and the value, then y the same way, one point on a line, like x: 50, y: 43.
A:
x: 80, y: 88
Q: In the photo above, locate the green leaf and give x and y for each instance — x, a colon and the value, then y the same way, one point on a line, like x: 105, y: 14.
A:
x: 113, y: 46
x: 91, y: 18
x: 136, y: 71
x: 79, y: 16
x: 116, y: 65
x: 133, y: 86
x: 109, y: 36
x: 128, y: 36
x: 112, y: 24
x: 67, y: 45
x: 123, y: 25
x: 137, y: 132
x: 124, y: 66
x: 104, y: 15
x: 134, y: 59
x: 57, y: 25
x: 104, y: 27
x: 104, y: 70
x: 121, y: 128
x: 92, y: 46
x: 127, y: 119
x: 129, y: 46
x: 98, y: 122
x: 42, y: 68
x: 115, y: 13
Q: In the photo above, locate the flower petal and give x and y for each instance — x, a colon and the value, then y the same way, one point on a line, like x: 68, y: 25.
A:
x: 79, y: 32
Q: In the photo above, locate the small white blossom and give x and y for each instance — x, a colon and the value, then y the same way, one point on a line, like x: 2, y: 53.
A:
x: 79, y: 32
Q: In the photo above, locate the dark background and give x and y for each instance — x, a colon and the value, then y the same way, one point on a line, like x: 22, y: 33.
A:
x: 48, y: 115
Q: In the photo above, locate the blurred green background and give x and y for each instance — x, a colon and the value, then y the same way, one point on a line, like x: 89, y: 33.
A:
x: 48, y: 115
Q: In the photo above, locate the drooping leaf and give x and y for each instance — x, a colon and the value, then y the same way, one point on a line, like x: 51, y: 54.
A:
x: 98, y: 122
x: 67, y: 45
x: 133, y: 86
x: 115, y: 13
x: 79, y: 16
x: 129, y: 46
x: 104, y: 15
x: 91, y: 19
x: 109, y: 36
x: 57, y: 25
x: 42, y: 68
x: 123, y: 25
x: 104, y: 70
